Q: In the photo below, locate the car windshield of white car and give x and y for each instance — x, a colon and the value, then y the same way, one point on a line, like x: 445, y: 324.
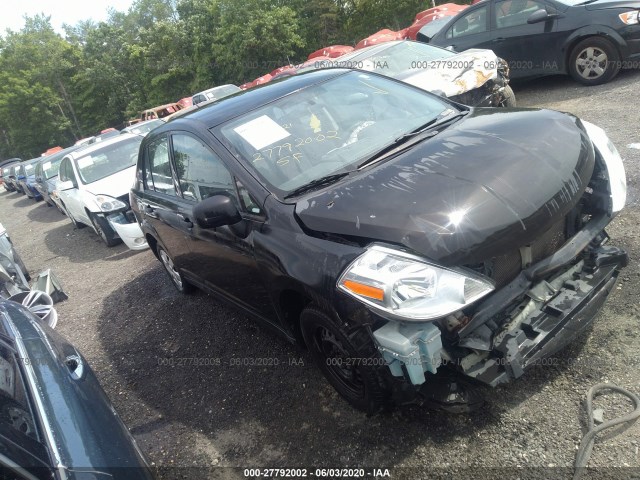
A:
x: 327, y: 128
x: 110, y: 159
x: 399, y: 58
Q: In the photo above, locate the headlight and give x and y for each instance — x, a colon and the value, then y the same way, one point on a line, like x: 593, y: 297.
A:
x: 407, y: 287
x: 630, y: 18
x: 109, y: 204
x: 613, y: 162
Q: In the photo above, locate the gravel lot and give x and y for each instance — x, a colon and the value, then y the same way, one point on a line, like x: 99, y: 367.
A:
x: 126, y: 318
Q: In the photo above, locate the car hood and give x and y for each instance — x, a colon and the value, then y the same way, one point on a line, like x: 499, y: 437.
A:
x: 492, y: 182
x: 116, y: 185
x: 604, y: 4
x: 464, y: 71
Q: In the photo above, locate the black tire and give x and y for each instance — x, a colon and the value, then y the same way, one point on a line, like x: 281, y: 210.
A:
x: 594, y: 61
x: 349, y: 361
x: 104, y: 230
x: 508, y: 97
x: 176, y: 277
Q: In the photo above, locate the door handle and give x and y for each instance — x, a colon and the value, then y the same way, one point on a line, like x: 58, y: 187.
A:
x: 186, y: 220
x: 499, y: 39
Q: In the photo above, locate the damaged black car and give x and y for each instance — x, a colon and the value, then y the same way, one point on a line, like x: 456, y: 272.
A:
x: 403, y: 238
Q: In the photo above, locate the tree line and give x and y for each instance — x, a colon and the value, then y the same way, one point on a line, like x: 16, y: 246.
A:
x: 55, y: 89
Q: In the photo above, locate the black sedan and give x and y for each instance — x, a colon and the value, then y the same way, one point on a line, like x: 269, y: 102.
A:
x: 589, y: 39
x: 403, y: 238
x: 55, y: 420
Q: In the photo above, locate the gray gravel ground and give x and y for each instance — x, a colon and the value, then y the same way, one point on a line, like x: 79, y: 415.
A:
x: 126, y: 318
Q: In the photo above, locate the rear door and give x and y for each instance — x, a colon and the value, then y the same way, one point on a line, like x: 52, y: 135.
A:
x: 221, y: 258
x: 166, y: 212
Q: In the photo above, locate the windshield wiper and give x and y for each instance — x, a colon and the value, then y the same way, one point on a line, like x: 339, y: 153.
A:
x: 318, y: 182
x: 402, y: 142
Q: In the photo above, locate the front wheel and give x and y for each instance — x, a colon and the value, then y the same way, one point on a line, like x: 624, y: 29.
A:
x: 351, y: 370
x: 104, y: 230
x: 508, y: 97
x: 594, y: 61
x: 176, y: 277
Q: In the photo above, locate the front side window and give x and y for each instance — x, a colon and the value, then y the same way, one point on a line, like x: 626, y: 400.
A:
x: 327, y: 128
x: 158, y: 175
x: 108, y: 160
x: 470, y: 24
x: 514, y: 13
x: 67, y: 173
x: 201, y: 174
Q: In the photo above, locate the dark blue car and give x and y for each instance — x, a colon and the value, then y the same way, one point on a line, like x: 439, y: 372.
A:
x: 591, y: 40
x: 56, y: 422
x: 26, y: 177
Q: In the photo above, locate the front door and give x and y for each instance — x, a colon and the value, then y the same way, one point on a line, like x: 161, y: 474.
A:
x: 221, y: 258
x: 529, y: 49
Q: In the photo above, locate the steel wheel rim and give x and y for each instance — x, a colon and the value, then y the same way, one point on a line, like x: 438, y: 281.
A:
x: 335, y: 355
x: 592, y: 63
x: 171, y: 270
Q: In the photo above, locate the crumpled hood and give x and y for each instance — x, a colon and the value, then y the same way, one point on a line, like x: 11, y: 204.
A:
x: 115, y: 185
x: 465, y: 71
x: 492, y: 182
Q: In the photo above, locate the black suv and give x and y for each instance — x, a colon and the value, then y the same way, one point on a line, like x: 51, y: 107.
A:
x: 402, y: 237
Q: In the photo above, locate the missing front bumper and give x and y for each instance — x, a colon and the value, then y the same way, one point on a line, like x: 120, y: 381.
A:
x: 528, y: 320
x: 128, y: 231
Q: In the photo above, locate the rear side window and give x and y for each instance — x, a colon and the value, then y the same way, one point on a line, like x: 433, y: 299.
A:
x: 201, y: 173
x: 158, y: 174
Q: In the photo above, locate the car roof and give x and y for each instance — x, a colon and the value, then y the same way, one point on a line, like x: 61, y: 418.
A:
x: 9, y: 161
x: 220, y: 111
x: 59, y: 155
x: 100, y: 145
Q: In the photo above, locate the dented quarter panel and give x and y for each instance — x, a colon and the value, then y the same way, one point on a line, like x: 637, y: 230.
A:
x: 503, y: 176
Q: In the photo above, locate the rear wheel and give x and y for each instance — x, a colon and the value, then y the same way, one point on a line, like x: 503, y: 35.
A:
x: 349, y: 361
x: 176, y: 277
x: 104, y: 230
x: 594, y: 61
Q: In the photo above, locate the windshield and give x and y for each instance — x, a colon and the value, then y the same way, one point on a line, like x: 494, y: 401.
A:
x: 327, y: 128
x: 110, y: 159
x: 395, y: 59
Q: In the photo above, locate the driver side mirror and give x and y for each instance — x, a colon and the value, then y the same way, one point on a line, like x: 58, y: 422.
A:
x: 216, y: 211
x: 540, y: 16
x: 66, y: 185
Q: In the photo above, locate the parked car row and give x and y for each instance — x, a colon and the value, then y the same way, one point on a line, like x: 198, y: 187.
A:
x: 89, y: 183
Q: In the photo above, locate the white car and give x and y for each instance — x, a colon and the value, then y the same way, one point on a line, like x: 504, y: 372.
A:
x: 94, y: 189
